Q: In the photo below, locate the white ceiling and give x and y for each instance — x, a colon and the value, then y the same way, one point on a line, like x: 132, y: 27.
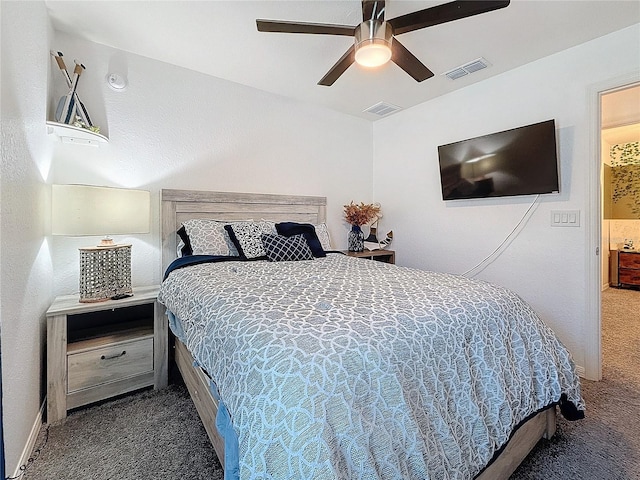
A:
x: 220, y: 38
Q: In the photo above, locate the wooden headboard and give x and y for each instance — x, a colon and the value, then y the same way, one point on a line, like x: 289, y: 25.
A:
x: 179, y: 206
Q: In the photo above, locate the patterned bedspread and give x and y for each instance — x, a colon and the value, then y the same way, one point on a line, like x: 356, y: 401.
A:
x: 343, y: 368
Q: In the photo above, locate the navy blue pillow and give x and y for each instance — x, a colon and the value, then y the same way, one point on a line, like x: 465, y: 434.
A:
x: 186, y: 250
x: 307, y: 230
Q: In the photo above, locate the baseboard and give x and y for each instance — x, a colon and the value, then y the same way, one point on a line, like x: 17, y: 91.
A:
x: 31, y: 440
x: 580, y: 370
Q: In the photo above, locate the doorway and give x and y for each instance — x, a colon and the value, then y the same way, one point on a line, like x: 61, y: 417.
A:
x: 619, y: 128
x: 620, y: 157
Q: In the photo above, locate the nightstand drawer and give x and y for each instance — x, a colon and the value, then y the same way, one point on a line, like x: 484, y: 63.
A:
x: 629, y: 260
x: 110, y: 363
x: 629, y: 276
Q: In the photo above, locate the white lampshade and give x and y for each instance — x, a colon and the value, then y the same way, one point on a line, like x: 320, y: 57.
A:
x: 79, y: 210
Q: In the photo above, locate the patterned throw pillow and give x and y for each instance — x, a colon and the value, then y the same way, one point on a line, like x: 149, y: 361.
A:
x: 247, y: 237
x: 323, y: 235
x: 286, y: 249
x: 289, y: 229
x: 208, y: 237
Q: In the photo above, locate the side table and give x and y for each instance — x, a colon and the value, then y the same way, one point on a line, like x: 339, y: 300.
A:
x: 99, y: 350
x: 387, y: 256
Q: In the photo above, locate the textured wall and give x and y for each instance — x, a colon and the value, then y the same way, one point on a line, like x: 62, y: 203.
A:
x: 176, y: 128
x: 25, y: 273
x: 172, y: 128
x: 545, y: 265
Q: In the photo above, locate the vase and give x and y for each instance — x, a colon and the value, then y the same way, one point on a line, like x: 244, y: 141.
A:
x: 356, y: 239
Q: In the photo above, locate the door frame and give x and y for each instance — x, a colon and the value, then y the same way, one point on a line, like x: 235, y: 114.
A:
x: 1, y: 429
x: 593, y: 330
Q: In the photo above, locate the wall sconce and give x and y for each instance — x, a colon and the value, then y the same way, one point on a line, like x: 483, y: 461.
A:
x: 84, y: 210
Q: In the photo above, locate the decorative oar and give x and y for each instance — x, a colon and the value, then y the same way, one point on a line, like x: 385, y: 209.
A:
x: 80, y: 108
x: 69, y: 109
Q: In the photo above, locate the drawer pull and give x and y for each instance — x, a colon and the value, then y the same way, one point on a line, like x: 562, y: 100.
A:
x: 111, y: 357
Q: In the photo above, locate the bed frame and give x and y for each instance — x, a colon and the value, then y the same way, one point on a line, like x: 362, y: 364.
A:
x: 181, y: 205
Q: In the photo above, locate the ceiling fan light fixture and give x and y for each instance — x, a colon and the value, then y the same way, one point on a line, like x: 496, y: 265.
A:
x: 373, y: 43
x: 373, y: 54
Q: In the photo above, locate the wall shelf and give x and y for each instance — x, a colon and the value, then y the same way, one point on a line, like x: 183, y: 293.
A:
x: 70, y: 134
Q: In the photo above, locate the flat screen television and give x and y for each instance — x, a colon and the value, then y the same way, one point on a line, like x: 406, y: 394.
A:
x: 520, y: 161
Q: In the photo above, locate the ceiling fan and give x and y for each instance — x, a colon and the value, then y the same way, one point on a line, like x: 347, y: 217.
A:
x: 375, y: 38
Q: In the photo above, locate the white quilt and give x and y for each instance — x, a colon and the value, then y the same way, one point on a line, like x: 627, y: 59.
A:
x: 344, y: 368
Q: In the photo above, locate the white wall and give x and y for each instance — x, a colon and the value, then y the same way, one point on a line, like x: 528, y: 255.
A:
x: 176, y: 128
x: 26, y: 272
x: 546, y: 265
x: 621, y: 107
x: 172, y: 128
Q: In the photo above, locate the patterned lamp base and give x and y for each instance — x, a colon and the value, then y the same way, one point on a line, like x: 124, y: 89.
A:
x: 105, y: 273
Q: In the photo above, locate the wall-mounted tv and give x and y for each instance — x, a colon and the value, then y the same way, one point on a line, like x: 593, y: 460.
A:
x: 520, y: 161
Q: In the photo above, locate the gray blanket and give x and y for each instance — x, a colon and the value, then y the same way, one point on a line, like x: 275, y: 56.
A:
x: 344, y: 368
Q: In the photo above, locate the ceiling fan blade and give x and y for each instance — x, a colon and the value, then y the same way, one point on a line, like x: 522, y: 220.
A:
x: 372, y: 10
x: 339, y: 68
x: 302, y: 27
x: 444, y: 13
x: 408, y: 62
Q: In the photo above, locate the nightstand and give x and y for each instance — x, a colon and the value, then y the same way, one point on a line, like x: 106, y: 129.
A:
x: 386, y: 256
x: 99, y: 350
x: 628, y: 268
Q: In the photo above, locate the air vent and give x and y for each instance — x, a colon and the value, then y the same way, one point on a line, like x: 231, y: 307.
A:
x: 467, y: 68
x: 457, y: 73
x: 382, y: 109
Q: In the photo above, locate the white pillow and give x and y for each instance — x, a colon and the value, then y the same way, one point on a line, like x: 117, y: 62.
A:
x: 323, y: 235
x: 247, y: 237
x: 208, y: 237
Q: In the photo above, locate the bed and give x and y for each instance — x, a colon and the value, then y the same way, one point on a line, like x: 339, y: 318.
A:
x: 250, y: 357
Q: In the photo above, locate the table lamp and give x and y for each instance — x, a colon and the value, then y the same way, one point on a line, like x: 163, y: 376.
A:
x: 83, y: 210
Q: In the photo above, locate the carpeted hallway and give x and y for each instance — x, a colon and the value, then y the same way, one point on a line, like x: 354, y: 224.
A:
x: 157, y: 434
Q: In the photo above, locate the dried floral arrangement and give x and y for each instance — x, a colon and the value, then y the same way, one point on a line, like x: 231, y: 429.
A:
x: 361, y: 214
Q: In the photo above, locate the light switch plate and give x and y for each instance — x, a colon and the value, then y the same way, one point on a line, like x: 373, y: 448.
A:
x: 565, y: 218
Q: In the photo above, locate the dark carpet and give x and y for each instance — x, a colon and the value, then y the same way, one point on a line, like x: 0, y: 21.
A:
x: 606, y: 444
x: 158, y: 435
x: 150, y: 435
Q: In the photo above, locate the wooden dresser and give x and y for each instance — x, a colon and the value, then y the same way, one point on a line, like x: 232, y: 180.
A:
x: 625, y: 268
